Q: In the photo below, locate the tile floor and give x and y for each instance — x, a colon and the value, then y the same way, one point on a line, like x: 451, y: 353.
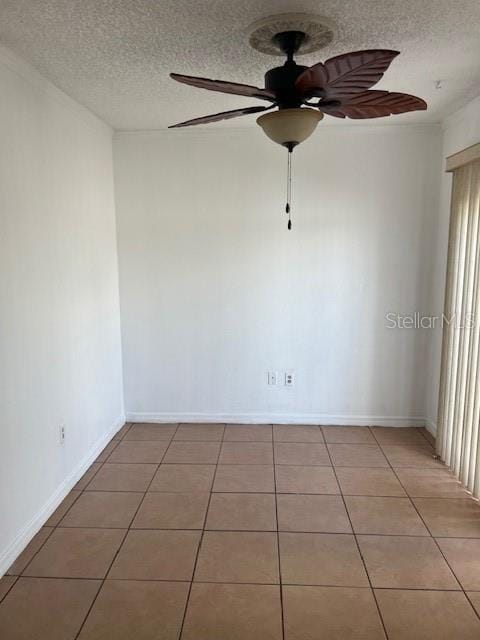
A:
x: 235, y: 532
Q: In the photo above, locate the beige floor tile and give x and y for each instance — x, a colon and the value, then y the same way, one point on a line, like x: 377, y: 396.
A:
x: 183, y: 477
x: 357, y: 455
x: 203, y: 432
x: 87, y: 476
x: 255, y: 478
x: 151, y: 431
x: 431, y: 483
x: 348, y: 435
x: 122, y: 477
x: 297, y: 433
x: 243, y: 556
x: 474, y: 597
x: 248, y: 433
x: 321, y: 559
x: 404, y: 562
x: 427, y: 615
x: 246, y: 453
x: 298, y: 479
x: 6, y: 583
x: 172, y: 511
x: 46, y: 609
x: 138, y: 452
x: 122, y: 432
x: 331, y: 613
x: 242, y: 512
x: 62, y: 509
x: 301, y: 453
x: 463, y: 555
x: 107, y: 509
x: 448, y: 517
x: 193, y: 452
x: 415, y: 457
x: 312, y: 513
x: 76, y: 553
x: 156, y: 555
x: 399, y: 435
x: 233, y: 612
x: 368, y: 482
x: 127, y: 610
x: 390, y: 516
x: 30, y: 550
x: 111, y: 446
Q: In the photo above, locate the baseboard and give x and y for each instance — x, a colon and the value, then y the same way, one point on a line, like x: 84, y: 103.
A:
x: 279, y: 418
x: 10, y: 554
x: 431, y: 427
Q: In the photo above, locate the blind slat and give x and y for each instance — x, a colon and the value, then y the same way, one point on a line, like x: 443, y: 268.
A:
x: 458, y: 440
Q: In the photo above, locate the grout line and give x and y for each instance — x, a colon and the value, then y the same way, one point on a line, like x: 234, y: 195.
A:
x: 200, y: 542
x: 372, y: 590
x: 271, y: 584
x: 15, y: 580
x: 436, y: 541
x: 115, y: 442
x: 117, y: 552
x: 36, y: 552
x: 278, y: 546
x: 320, y: 532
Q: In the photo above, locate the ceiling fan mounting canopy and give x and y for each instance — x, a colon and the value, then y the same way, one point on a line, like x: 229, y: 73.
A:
x: 318, y: 32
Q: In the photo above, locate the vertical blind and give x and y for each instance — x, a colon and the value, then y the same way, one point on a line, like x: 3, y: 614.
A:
x: 458, y: 440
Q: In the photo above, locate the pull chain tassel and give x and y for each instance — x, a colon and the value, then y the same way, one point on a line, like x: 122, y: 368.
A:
x: 288, y: 206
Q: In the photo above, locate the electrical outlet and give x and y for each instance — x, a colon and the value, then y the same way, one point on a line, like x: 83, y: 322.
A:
x: 272, y: 377
x: 289, y: 378
x: 61, y: 433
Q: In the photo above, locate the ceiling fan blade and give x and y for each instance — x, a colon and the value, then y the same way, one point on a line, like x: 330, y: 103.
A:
x: 224, y: 115
x: 375, y: 104
x: 347, y: 74
x: 313, y: 81
x: 352, y: 73
x: 225, y: 87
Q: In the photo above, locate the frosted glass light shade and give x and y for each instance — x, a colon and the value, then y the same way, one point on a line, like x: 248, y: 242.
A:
x: 290, y: 125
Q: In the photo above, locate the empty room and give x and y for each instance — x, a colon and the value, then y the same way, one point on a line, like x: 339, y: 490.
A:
x: 239, y: 320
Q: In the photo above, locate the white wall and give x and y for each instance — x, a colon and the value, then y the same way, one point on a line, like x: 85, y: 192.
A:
x: 215, y: 291
x: 460, y: 130
x: 60, y: 356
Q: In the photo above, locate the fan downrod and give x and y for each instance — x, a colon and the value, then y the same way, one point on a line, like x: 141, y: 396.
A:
x: 290, y: 42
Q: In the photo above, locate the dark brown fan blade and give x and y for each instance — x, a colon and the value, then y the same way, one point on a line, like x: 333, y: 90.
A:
x: 225, y: 87
x: 375, y: 104
x: 347, y: 74
x: 313, y: 81
x: 224, y: 115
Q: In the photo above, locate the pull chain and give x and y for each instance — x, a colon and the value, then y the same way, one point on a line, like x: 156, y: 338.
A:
x: 288, y: 207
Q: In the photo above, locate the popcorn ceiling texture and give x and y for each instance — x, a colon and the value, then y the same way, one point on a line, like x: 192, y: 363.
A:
x: 114, y: 56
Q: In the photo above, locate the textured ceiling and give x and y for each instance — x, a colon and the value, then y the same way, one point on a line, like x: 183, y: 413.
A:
x: 114, y: 56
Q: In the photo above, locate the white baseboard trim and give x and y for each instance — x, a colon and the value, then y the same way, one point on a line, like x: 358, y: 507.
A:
x: 14, y: 549
x: 431, y: 427
x: 279, y: 418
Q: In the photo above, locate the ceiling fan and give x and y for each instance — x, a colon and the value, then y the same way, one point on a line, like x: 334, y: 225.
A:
x: 339, y: 87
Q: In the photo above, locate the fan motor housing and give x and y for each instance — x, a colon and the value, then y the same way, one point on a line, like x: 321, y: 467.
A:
x: 281, y: 80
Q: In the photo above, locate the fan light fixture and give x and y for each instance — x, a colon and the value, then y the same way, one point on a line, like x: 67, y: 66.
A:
x: 338, y: 87
x: 289, y: 127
